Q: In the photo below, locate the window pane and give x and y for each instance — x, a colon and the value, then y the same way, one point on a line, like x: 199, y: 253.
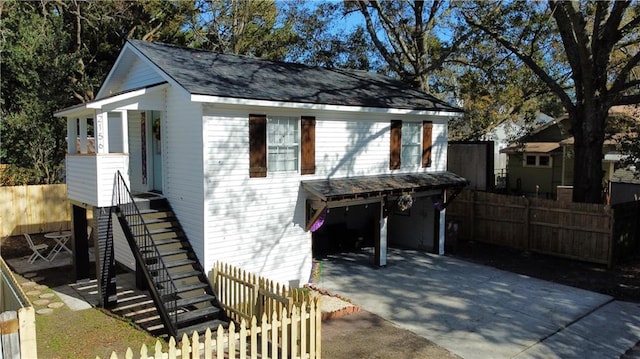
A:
x: 531, y: 160
x: 411, y: 136
x: 544, y: 161
x: 282, y: 144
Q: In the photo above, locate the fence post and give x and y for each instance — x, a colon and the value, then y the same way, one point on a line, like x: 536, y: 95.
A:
x: 527, y: 220
x: 472, y: 220
x: 10, y: 337
x: 612, y: 242
x: 28, y: 343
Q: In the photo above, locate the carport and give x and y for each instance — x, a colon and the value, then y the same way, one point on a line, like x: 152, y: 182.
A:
x: 402, y: 209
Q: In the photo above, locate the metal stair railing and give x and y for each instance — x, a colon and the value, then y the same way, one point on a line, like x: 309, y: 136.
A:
x: 146, y: 253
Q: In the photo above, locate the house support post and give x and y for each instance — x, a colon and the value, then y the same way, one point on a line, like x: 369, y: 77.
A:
x: 441, y: 225
x: 105, y: 259
x: 84, y: 143
x: 80, y: 243
x: 72, y: 134
x: 102, y: 132
x: 380, y: 257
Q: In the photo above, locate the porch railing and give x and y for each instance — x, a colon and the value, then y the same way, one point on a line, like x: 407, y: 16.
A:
x: 146, y: 253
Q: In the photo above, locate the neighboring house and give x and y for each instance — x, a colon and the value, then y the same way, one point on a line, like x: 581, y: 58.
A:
x: 624, y: 185
x: 541, y: 161
x: 252, y: 154
x: 503, y: 134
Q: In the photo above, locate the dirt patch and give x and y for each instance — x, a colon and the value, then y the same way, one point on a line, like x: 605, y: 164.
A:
x: 16, y: 246
x: 365, y: 335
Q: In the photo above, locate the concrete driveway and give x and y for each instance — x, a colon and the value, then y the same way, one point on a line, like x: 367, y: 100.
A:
x: 476, y: 311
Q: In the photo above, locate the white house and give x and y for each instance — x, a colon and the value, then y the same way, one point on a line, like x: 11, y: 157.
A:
x: 252, y: 154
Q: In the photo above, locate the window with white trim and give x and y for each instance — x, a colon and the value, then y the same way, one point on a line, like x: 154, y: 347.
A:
x: 411, y: 154
x: 283, y: 143
x: 533, y: 160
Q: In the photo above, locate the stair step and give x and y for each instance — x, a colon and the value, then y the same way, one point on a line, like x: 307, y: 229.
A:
x: 181, y: 275
x: 201, y: 313
x: 160, y: 230
x: 149, y: 210
x: 155, y: 211
x: 165, y: 241
x: 179, y: 263
x: 149, y: 221
x: 184, y: 302
x: 201, y: 328
x: 185, y: 274
x: 190, y: 287
x: 173, y: 252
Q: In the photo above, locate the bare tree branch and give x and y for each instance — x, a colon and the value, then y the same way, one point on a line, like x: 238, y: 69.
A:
x: 528, y: 60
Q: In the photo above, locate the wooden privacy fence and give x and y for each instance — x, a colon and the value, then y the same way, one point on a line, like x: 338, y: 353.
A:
x: 33, y: 209
x: 289, y: 325
x: 573, y: 230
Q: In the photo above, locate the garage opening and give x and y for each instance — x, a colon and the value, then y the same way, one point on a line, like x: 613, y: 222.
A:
x: 349, y: 214
x: 346, y: 229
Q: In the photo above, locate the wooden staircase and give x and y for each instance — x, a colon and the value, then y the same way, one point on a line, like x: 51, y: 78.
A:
x: 176, y: 281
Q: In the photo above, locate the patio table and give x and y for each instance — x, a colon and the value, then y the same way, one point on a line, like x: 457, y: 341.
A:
x: 61, y: 238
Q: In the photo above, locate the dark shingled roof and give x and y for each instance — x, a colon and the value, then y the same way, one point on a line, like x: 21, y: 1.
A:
x: 208, y: 73
x: 379, y: 185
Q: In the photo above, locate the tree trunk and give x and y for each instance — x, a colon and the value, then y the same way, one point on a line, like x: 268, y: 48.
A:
x: 588, y: 124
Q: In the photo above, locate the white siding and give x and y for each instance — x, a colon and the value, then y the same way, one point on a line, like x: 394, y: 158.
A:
x: 139, y: 75
x: 108, y: 165
x: 82, y: 184
x: 258, y: 223
x: 90, y: 178
x: 182, y: 165
x: 415, y: 230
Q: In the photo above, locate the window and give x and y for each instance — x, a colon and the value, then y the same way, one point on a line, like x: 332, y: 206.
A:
x: 410, y: 144
x: 537, y: 160
x: 281, y: 144
x: 410, y: 155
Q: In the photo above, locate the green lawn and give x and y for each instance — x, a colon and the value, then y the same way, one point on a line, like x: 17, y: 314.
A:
x: 85, y: 333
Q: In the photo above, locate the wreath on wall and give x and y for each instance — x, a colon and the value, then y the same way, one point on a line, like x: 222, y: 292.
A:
x: 156, y: 129
x: 405, y: 202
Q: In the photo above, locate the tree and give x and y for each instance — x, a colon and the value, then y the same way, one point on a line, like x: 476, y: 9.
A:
x: 55, y: 54
x: 252, y: 28
x: 33, y: 69
x: 586, y: 54
x: 323, y: 40
x: 415, y: 39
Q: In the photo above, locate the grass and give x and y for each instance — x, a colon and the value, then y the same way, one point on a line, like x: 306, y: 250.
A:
x: 87, y: 333
x: 65, y: 333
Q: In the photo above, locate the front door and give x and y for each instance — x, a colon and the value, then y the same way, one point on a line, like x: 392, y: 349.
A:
x: 156, y: 149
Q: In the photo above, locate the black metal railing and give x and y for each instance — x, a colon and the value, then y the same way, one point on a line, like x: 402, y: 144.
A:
x: 146, y: 252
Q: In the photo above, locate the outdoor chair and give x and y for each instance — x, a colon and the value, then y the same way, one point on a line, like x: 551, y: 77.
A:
x: 37, y: 249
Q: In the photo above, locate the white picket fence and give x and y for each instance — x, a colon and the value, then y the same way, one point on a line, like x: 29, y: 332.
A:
x: 291, y: 330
